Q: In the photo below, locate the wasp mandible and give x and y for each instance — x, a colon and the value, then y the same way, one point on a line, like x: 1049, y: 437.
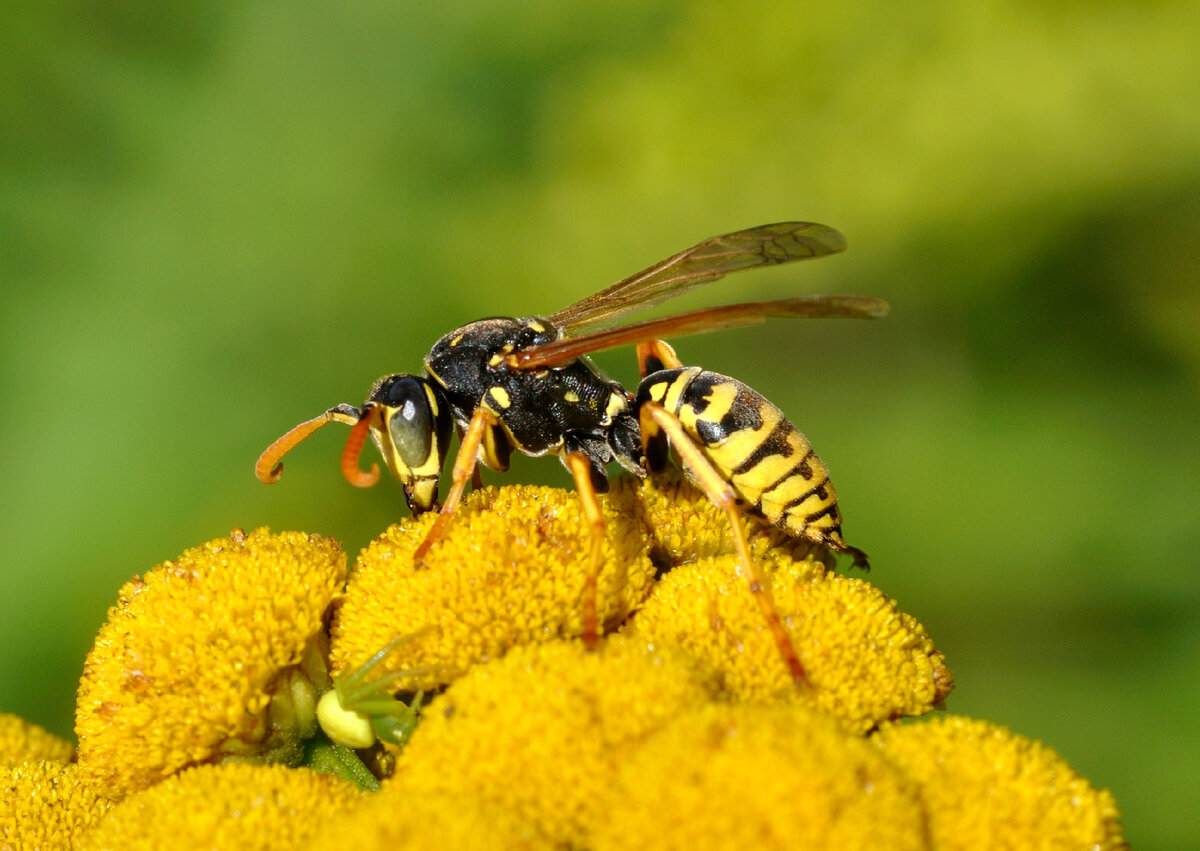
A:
x: 527, y: 384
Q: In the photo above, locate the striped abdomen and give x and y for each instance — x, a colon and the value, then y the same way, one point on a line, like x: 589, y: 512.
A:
x: 769, y: 463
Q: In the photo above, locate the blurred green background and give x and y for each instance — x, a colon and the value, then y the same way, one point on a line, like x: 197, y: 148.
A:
x: 218, y: 218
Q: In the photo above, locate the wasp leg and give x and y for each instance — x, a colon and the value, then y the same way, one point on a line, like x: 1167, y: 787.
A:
x: 655, y: 418
x: 464, y: 468
x: 654, y: 355
x: 581, y: 470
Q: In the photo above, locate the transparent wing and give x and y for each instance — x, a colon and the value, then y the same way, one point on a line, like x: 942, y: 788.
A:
x: 714, y: 258
x: 698, y: 322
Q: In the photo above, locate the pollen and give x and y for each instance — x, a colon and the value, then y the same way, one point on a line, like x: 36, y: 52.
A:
x: 983, y: 786
x: 761, y: 777
x: 864, y: 660
x: 510, y: 571
x: 188, y: 666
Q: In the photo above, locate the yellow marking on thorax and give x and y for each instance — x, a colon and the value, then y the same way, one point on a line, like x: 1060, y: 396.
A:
x: 571, y: 396
x: 536, y: 326
x: 500, y: 397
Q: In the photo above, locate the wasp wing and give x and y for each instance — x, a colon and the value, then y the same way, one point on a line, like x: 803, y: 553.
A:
x: 698, y: 322
x: 714, y: 258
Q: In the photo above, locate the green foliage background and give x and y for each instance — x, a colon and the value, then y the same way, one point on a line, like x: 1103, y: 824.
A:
x: 218, y: 218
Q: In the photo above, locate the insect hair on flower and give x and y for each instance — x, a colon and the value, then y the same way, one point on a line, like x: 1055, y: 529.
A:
x: 237, y: 805
x: 865, y: 661
x: 510, y: 571
x: 214, y: 654
x: 540, y: 733
x: 762, y: 777
x: 23, y: 741
x: 984, y: 786
x: 47, y: 804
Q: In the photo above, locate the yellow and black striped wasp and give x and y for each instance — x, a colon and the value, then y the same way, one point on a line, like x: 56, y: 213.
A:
x: 527, y: 385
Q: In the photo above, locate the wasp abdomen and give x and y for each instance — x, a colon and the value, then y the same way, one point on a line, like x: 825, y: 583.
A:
x: 769, y: 463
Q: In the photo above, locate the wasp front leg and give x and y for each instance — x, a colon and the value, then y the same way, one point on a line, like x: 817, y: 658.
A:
x: 657, y: 425
x: 482, y: 422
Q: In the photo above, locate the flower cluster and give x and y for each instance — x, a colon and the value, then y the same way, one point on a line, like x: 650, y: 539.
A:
x: 254, y: 693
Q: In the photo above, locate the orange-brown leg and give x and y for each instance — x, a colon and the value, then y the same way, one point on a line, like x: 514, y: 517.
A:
x: 580, y: 469
x: 654, y: 417
x: 464, y: 467
x: 650, y: 353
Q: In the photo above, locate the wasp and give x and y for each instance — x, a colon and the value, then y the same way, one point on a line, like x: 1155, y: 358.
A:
x: 506, y: 384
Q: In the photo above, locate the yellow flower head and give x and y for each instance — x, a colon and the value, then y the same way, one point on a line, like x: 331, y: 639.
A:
x: 247, y: 807
x: 986, y: 787
x: 760, y: 777
x: 21, y: 741
x: 510, y: 571
x: 46, y: 804
x: 186, y: 666
x: 865, y: 661
x: 399, y: 818
x: 687, y: 526
x: 540, y: 733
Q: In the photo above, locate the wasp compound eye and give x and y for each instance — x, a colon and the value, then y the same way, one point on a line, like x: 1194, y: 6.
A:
x: 409, y: 419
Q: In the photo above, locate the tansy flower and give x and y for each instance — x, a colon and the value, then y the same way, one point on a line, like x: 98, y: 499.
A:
x: 540, y: 733
x: 399, y: 818
x: 215, y: 653
x: 510, y: 571
x: 759, y: 777
x: 45, y: 804
x: 864, y: 660
x: 686, y: 525
x: 986, y: 787
x: 234, y: 806
x: 21, y: 741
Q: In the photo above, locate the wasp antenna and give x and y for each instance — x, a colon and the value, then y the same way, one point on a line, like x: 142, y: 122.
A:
x: 354, y: 445
x: 269, y: 466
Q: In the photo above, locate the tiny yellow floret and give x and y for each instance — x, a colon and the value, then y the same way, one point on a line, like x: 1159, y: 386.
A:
x: 864, y: 660
x: 186, y: 667
x: 47, y: 804
x: 541, y: 732
x: 22, y: 741
x: 984, y: 786
x: 509, y: 571
x: 759, y: 777
x: 235, y: 806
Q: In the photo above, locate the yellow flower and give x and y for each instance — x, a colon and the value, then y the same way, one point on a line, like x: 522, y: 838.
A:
x: 46, y: 804
x: 687, y: 526
x: 510, y: 571
x: 211, y: 654
x: 21, y: 741
x: 865, y: 660
x: 986, y: 787
x: 540, y: 733
x: 759, y: 777
x: 240, y: 806
x: 399, y: 818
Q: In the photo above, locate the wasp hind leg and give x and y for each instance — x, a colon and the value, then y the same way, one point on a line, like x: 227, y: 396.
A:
x: 655, y: 421
x: 655, y: 355
x: 465, y: 464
